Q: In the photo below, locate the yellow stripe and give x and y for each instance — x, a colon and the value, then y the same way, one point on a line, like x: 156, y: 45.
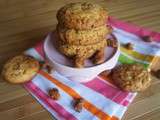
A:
x: 137, y: 55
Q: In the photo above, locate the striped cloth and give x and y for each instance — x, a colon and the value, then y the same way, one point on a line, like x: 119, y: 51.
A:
x: 103, y: 100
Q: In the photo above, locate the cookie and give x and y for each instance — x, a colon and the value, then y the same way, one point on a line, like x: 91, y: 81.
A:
x: 20, y: 69
x: 82, y: 15
x: 82, y: 37
x: 131, y: 77
x: 81, y: 51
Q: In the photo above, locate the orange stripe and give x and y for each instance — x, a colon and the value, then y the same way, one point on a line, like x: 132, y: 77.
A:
x: 87, y: 105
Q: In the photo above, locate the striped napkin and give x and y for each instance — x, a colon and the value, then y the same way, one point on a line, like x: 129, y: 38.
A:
x: 103, y: 100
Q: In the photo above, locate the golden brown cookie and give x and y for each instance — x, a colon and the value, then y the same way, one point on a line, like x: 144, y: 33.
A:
x: 20, y: 69
x: 81, y: 51
x: 82, y: 37
x: 131, y: 77
x: 82, y: 15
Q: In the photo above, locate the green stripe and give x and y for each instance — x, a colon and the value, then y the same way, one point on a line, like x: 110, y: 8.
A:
x: 126, y: 60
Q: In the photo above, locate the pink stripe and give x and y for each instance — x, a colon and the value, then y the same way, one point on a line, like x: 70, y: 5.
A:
x: 49, y: 102
x: 107, y: 90
x: 39, y: 48
x: 139, y: 31
x: 126, y: 103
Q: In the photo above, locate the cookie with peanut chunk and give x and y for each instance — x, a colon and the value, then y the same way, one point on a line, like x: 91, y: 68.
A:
x: 20, y: 69
x: 131, y: 77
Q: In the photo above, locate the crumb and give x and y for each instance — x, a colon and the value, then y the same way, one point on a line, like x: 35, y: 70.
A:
x: 147, y: 39
x: 78, y: 105
x: 49, y: 69
x: 54, y: 94
x: 129, y: 46
x: 47, y: 66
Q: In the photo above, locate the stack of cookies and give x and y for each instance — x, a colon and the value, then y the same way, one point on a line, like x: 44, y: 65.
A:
x: 82, y: 31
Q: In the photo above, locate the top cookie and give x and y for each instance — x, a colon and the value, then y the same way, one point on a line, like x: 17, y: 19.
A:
x: 20, y: 69
x: 82, y: 15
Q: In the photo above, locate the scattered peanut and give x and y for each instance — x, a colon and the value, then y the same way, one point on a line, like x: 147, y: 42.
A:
x: 54, y: 94
x: 147, y: 39
x: 129, y: 46
x: 78, y: 105
x: 47, y: 66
